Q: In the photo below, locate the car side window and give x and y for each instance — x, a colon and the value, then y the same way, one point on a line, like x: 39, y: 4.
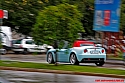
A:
x: 29, y: 42
x: 63, y: 44
x: 18, y: 42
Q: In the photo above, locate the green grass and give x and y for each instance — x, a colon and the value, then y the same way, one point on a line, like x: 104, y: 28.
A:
x: 62, y: 67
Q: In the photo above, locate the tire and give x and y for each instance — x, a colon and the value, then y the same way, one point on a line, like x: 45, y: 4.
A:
x: 73, y: 59
x: 50, y: 59
x: 4, y: 52
x: 25, y: 51
x: 99, y: 63
x: 16, y: 52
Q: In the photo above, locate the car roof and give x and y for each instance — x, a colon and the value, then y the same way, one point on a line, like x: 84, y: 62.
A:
x: 78, y: 42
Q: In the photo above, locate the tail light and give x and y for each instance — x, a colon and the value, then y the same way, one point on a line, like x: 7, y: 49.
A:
x: 85, y: 50
x: 103, y: 51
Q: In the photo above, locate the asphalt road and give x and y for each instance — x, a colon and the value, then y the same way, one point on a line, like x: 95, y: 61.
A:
x: 36, y: 77
x: 41, y: 58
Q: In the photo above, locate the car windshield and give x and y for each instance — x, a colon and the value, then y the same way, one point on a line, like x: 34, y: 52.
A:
x: 86, y: 45
x: 13, y: 41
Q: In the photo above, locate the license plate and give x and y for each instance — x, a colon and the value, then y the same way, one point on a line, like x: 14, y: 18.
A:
x: 94, y: 52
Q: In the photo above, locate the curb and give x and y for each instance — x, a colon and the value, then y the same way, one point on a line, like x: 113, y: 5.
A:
x: 114, y: 63
x: 61, y: 72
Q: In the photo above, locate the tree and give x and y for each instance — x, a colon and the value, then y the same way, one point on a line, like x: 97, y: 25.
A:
x: 61, y: 22
x: 86, y: 7
x: 122, y: 17
x: 21, y: 14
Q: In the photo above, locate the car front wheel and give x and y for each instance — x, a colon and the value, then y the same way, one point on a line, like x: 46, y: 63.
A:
x: 25, y: 51
x: 99, y: 63
x: 50, y: 59
x: 4, y: 52
x: 73, y: 59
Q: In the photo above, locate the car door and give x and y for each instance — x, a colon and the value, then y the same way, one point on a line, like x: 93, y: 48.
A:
x: 30, y: 45
x: 42, y: 48
x: 63, y: 52
x: 63, y: 55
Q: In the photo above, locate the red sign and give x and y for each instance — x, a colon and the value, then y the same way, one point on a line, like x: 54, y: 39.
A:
x: 107, y: 17
x: 1, y: 13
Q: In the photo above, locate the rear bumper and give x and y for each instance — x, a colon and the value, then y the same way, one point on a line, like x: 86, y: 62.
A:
x: 91, y: 58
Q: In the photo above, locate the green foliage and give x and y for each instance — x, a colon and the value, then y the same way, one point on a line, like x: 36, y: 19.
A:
x: 21, y: 14
x: 86, y: 7
x: 61, y: 22
x: 122, y: 19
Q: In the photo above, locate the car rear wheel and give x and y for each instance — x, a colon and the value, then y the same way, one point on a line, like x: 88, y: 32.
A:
x: 99, y: 63
x: 50, y: 59
x: 16, y: 52
x: 73, y: 59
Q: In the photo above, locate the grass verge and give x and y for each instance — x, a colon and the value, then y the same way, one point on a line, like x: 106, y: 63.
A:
x: 63, y: 67
x: 113, y: 56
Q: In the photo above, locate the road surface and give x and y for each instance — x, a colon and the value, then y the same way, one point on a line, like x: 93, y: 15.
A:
x: 35, y: 77
x: 41, y: 58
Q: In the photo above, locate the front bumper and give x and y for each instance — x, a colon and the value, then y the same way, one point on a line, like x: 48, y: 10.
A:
x: 29, y: 50
x: 18, y: 50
